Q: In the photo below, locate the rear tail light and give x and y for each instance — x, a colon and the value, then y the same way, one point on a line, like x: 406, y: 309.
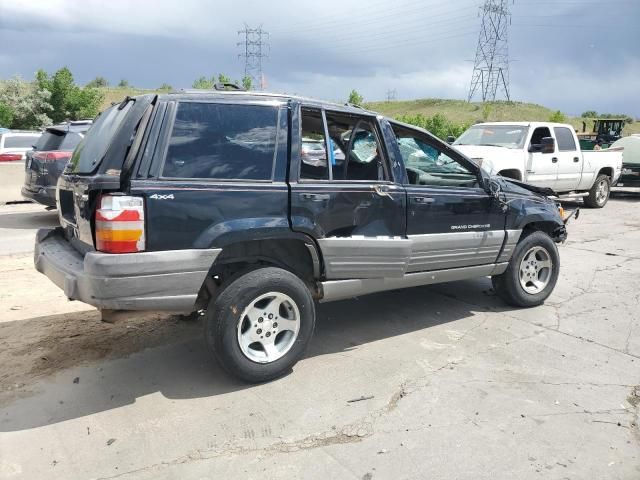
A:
x: 52, y: 156
x: 10, y: 157
x: 120, y: 224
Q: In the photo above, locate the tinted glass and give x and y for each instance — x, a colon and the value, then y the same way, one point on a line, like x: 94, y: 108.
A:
x: 50, y: 140
x: 93, y: 147
x: 565, y: 140
x: 538, y: 134
x: 21, y: 141
x: 212, y: 140
x: 313, y: 152
x: 357, y: 159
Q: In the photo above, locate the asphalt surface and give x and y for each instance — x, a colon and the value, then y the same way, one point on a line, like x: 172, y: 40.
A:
x: 432, y: 382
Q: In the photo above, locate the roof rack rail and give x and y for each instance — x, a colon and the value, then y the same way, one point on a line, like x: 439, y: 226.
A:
x: 347, y: 104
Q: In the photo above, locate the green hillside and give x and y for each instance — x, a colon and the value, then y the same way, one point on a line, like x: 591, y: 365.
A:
x: 460, y: 111
x: 457, y: 111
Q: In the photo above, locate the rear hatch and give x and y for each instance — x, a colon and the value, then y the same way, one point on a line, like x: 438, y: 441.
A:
x: 50, y: 154
x: 96, y: 167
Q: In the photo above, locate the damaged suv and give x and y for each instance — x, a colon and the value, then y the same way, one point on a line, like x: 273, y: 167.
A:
x: 215, y: 201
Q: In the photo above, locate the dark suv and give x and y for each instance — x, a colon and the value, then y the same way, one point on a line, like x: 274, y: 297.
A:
x: 47, y: 160
x: 202, y: 201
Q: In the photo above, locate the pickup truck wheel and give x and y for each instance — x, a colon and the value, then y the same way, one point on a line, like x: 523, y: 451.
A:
x: 260, y: 324
x: 599, y: 193
x: 532, y: 272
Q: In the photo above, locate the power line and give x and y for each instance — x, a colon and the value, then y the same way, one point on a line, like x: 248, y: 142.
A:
x: 491, y: 66
x: 254, y: 45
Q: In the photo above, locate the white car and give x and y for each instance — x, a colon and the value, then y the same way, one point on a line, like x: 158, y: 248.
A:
x: 545, y: 155
x: 14, y: 144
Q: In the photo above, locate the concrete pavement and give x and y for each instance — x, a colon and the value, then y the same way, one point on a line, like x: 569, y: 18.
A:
x: 455, y: 384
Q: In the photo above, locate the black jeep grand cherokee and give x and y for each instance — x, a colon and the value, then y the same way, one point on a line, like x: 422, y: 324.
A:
x: 206, y: 200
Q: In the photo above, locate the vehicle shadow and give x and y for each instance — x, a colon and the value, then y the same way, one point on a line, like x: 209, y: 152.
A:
x: 29, y: 220
x: 178, y: 365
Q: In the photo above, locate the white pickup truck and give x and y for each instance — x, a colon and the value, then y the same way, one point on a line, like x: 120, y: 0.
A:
x: 543, y: 154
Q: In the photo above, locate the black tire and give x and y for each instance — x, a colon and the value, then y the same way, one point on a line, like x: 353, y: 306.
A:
x: 595, y: 199
x: 508, y: 285
x: 224, y: 314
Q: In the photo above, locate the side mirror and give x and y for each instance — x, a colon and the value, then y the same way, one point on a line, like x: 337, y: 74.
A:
x: 548, y: 145
x: 451, y: 139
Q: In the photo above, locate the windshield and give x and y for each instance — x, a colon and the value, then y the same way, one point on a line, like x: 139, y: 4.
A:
x: 93, y: 147
x: 507, y: 136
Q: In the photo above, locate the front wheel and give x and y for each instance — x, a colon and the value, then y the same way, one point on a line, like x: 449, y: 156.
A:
x: 599, y: 193
x: 532, y: 272
x: 261, y: 323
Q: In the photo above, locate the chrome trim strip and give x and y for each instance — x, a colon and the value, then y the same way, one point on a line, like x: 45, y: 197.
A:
x: 344, y: 289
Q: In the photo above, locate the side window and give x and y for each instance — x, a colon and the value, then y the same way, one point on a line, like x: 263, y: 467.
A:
x: 222, y: 141
x: 428, y: 164
x: 313, y: 153
x: 538, y: 134
x: 564, y: 136
x: 20, y: 141
x: 355, y: 152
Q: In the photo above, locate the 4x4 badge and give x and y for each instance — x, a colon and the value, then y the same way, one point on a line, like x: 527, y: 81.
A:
x: 157, y: 196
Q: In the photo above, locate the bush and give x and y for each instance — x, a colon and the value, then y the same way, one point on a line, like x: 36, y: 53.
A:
x: 98, y: 82
x: 438, y: 125
x: 29, y: 105
x: 6, y: 115
x: 558, y: 117
x: 355, y: 98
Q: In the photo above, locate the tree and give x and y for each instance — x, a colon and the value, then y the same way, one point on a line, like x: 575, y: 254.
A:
x: 355, y: 98
x: 6, y: 115
x: 222, y: 78
x: 589, y: 114
x: 165, y: 86
x: 438, y: 125
x: 68, y: 100
x: 124, y: 83
x: 98, y: 82
x: 29, y: 106
x: 247, y: 83
x: 558, y: 117
x: 203, y: 83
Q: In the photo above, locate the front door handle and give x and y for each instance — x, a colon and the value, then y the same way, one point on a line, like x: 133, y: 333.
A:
x: 381, y: 191
x: 576, y: 159
x: 554, y: 160
x: 315, y: 197
x: 423, y: 200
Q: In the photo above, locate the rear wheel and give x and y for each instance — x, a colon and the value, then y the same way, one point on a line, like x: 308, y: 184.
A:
x: 260, y: 324
x: 532, y: 272
x: 599, y: 193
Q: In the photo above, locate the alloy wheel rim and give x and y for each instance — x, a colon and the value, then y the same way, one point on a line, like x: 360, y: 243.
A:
x: 535, y: 270
x: 602, y: 192
x: 268, y: 327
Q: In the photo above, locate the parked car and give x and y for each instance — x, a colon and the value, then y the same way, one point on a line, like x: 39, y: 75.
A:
x: 631, y: 161
x: 48, y: 158
x: 15, y: 143
x: 544, y: 154
x: 202, y: 201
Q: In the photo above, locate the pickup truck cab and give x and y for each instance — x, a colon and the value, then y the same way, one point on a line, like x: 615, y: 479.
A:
x: 543, y: 154
x: 213, y: 201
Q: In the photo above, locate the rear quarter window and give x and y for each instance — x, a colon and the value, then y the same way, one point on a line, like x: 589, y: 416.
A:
x: 222, y: 141
x: 20, y: 141
x: 564, y: 136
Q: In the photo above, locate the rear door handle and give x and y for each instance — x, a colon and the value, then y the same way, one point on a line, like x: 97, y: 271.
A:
x: 423, y: 200
x: 315, y: 197
x: 554, y: 160
x: 576, y: 159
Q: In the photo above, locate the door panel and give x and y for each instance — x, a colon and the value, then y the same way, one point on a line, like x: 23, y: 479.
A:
x: 359, y: 223
x: 452, y: 228
x: 569, y: 160
x: 542, y: 168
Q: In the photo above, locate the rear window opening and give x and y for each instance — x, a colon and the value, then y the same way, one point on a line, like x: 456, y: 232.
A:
x: 93, y: 147
x: 52, y: 140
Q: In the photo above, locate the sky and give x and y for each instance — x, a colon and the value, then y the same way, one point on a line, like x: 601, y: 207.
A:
x: 572, y: 55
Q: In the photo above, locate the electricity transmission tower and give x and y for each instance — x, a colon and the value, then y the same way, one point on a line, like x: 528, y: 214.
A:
x: 391, y: 94
x: 254, y: 48
x: 491, y: 66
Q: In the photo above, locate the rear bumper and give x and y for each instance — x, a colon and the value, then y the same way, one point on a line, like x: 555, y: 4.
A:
x: 159, y: 281
x: 43, y: 195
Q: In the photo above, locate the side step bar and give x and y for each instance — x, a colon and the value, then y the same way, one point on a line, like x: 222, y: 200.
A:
x: 333, y: 290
